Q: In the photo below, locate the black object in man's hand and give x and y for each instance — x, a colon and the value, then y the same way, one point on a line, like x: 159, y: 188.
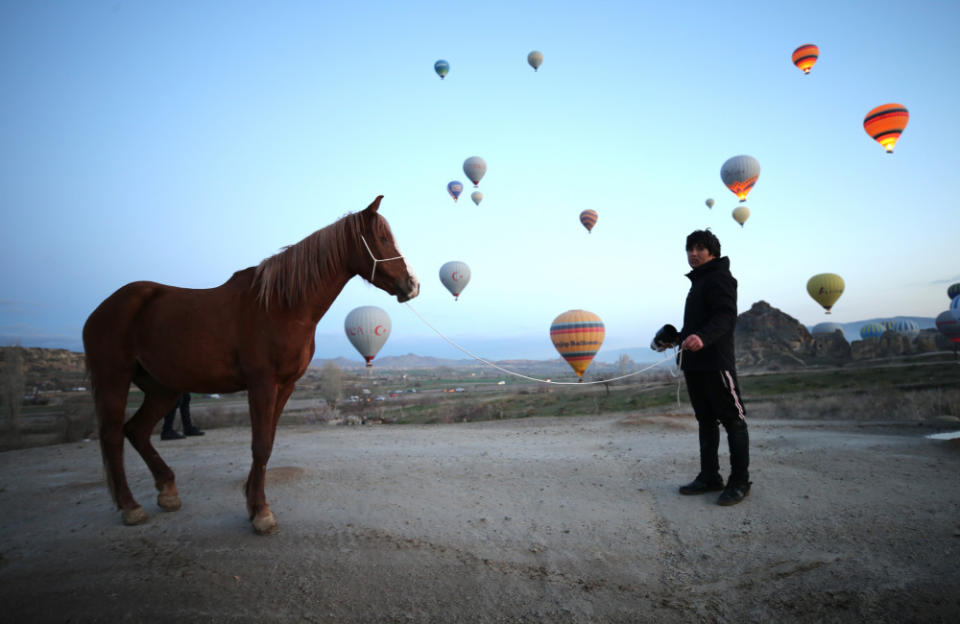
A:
x: 666, y: 337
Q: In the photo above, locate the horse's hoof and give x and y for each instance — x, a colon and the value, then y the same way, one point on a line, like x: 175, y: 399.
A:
x: 134, y: 516
x: 265, y: 524
x: 168, y: 502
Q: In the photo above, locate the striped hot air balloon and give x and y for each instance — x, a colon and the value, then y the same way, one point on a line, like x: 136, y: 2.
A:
x: 871, y: 331
x: 577, y: 335
x: 825, y: 288
x: 589, y: 219
x: 806, y: 56
x: 907, y: 328
x: 955, y: 307
x: 949, y: 326
x: 740, y: 173
x: 885, y: 123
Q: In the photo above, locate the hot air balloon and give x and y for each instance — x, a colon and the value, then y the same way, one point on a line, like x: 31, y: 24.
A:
x: 824, y: 329
x: 907, y: 328
x: 367, y: 327
x: 577, y: 335
x: 741, y: 214
x: 455, y: 188
x: 455, y: 275
x: 442, y: 68
x: 955, y: 307
x: 887, y: 324
x: 589, y: 219
x: 885, y: 123
x: 953, y: 290
x: 871, y: 331
x: 740, y: 173
x: 709, y: 202
x: 805, y: 57
x: 474, y: 167
x: 825, y: 288
x: 477, y: 197
x: 949, y: 326
x: 535, y: 58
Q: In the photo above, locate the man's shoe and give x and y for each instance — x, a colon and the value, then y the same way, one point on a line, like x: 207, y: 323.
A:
x: 734, y: 493
x: 697, y: 486
x: 193, y: 431
x: 171, y: 435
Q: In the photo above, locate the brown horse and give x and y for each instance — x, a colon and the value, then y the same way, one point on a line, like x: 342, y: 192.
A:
x: 255, y: 332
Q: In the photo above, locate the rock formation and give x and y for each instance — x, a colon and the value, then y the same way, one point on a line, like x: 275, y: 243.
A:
x: 769, y: 339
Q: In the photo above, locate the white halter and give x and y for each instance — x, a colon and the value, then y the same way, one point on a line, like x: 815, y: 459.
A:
x: 375, y: 259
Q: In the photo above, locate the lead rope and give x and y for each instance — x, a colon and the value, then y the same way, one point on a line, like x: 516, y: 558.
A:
x: 673, y: 372
x: 521, y: 375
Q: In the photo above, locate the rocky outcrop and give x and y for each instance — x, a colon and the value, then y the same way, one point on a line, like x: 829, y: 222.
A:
x: 830, y: 349
x: 47, y: 369
x: 769, y: 339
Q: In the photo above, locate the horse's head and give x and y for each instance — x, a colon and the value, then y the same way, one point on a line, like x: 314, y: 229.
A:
x: 381, y: 263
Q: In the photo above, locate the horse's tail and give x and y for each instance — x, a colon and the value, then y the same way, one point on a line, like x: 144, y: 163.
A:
x: 98, y: 413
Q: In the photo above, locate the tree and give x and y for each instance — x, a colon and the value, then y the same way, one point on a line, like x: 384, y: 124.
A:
x: 625, y: 364
x: 331, y: 383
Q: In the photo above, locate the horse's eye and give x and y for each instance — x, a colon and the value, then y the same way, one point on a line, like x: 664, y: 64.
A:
x: 383, y: 239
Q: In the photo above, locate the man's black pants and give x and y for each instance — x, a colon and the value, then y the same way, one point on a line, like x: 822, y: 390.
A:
x: 715, y: 396
x: 184, y: 404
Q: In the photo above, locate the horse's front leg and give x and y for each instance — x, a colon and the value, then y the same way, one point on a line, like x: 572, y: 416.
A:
x: 266, y: 404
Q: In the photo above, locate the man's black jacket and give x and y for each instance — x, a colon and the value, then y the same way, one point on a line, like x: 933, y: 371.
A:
x: 711, y: 313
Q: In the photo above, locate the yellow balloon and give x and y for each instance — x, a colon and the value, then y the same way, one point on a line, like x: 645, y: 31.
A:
x: 825, y: 288
x: 577, y: 335
x: 741, y: 214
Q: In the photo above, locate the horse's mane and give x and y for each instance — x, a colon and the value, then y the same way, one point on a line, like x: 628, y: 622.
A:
x: 299, y: 269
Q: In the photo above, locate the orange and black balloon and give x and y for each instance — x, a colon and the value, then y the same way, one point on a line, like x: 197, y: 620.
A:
x: 589, y: 219
x: 885, y: 124
x: 806, y: 56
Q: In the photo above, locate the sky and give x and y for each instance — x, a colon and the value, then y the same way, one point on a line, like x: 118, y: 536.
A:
x: 179, y: 142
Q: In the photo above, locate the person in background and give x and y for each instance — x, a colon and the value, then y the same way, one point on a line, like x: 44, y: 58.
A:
x: 707, y: 360
x: 189, y: 429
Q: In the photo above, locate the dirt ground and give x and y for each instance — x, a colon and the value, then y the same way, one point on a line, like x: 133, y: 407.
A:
x: 536, y: 520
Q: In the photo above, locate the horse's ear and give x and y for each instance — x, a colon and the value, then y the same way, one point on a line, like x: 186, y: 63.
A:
x: 375, y: 205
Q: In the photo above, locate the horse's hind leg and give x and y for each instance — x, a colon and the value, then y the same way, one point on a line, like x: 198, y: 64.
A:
x: 110, y: 403
x: 157, y: 401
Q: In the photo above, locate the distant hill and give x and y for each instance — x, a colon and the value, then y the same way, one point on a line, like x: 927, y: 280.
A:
x: 408, y: 361
x: 851, y: 330
x: 606, y: 361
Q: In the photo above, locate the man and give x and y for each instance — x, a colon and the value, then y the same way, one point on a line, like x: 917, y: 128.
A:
x: 707, y: 360
x: 189, y: 429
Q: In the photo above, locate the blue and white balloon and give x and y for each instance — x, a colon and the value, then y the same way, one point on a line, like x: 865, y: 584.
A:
x: 907, y: 328
x: 455, y: 188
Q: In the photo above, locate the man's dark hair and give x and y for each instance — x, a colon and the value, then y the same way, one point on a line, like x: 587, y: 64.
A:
x: 705, y: 239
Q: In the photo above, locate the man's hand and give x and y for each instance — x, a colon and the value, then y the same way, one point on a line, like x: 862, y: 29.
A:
x: 692, y: 343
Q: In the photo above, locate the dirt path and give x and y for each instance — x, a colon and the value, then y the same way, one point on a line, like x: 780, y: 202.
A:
x: 533, y: 520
